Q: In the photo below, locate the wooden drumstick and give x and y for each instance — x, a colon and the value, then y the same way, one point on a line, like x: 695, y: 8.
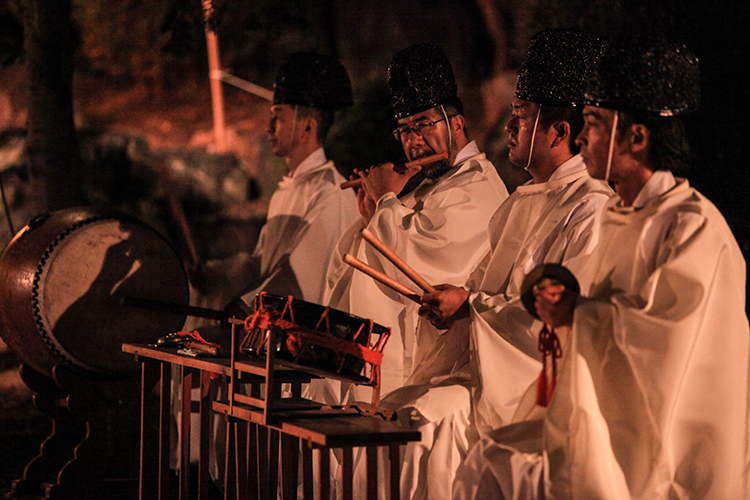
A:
x: 401, y: 168
x: 397, y: 261
x: 383, y: 278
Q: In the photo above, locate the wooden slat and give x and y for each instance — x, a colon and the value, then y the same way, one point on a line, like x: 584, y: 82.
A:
x: 372, y: 473
x: 165, y: 422
x: 307, y: 470
x: 347, y: 473
x: 290, y: 470
x: 204, y: 434
x: 324, y: 472
x: 185, y: 415
x: 395, y: 462
x: 253, y: 466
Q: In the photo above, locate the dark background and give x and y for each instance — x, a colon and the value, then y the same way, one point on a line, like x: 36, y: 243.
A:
x: 140, y: 70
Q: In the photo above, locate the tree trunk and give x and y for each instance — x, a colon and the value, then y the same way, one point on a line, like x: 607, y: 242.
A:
x: 53, y: 156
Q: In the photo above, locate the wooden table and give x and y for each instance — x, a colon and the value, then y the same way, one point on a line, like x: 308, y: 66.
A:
x: 254, y: 434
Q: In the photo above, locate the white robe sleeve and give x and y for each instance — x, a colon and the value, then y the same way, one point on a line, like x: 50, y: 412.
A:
x: 328, y: 217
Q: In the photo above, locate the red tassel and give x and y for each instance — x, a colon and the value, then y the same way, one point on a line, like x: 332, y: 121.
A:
x: 541, y: 388
x: 549, y: 345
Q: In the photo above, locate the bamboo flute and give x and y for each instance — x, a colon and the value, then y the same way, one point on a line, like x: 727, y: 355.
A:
x: 401, y: 168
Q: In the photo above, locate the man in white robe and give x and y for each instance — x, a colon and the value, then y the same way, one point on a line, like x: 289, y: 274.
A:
x: 653, y: 396
x: 308, y: 212
x: 546, y: 220
x: 439, y: 228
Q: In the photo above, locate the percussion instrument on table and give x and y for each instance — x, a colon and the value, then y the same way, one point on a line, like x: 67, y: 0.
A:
x: 62, y: 283
x: 316, y: 336
x: 543, y: 275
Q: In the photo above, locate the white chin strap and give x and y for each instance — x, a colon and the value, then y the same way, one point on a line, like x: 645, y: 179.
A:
x: 611, y: 146
x: 294, y: 126
x: 533, y: 136
x: 450, y: 134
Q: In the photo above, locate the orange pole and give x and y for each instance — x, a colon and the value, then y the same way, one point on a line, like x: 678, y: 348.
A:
x: 214, y: 74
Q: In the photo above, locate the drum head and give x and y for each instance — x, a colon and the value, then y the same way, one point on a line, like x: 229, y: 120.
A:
x: 80, y: 283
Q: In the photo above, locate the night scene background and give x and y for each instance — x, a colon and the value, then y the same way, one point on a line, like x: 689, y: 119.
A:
x: 109, y: 103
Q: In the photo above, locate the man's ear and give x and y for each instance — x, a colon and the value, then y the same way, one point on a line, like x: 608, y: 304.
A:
x: 310, y: 124
x: 458, y: 122
x: 639, y: 137
x: 562, y: 133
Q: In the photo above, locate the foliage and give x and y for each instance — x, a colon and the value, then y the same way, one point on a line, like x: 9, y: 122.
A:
x: 613, y: 18
x: 360, y: 136
x: 124, y: 38
x: 256, y: 37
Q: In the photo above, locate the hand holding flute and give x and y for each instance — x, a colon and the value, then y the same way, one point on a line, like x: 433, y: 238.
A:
x: 411, y: 167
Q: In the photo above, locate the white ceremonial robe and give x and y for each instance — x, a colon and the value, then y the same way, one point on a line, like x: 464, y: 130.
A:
x: 439, y: 229
x: 542, y: 223
x: 538, y: 223
x: 652, y: 400
x: 307, y: 214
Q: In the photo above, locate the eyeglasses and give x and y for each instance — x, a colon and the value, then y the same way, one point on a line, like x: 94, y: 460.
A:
x: 402, y: 133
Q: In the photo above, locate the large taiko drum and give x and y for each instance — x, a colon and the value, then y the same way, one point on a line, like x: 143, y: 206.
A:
x: 316, y: 336
x: 62, y: 283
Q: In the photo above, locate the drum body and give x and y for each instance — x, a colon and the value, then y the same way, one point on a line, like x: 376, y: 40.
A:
x: 62, y: 281
x: 314, y: 317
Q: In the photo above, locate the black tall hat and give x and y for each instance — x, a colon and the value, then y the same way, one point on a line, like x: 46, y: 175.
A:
x: 557, y: 66
x: 420, y: 77
x: 655, y: 76
x: 313, y: 80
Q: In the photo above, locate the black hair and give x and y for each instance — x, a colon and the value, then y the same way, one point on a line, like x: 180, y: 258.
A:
x: 668, y: 147
x: 454, y: 106
x: 322, y: 116
x: 555, y: 114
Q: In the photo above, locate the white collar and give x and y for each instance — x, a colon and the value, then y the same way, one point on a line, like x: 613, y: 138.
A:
x: 471, y: 149
x: 316, y: 159
x: 571, y: 166
x: 570, y: 171
x: 659, y: 183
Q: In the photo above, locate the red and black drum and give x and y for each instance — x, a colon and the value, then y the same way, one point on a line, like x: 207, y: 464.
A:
x: 63, y: 279
x: 313, y: 335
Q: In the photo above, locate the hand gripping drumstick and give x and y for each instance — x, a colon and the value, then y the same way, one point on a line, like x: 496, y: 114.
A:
x: 383, y: 278
x: 401, y: 168
x: 397, y: 261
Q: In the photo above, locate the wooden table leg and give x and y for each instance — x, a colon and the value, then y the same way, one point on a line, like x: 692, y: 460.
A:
x: 372, y: 473
x: 264, y: 487
x: 307, y: 471
x: 253, y: 466
x: 165, y: 424
x: 324, y: 469
x: 347, y: 476
x: 290, y: 470
x: 230, y: 460
x: 148, y: 480
x: 204, y: 411
x: 395, y: 460
x: 241, y: 450
x: 186, y: 408
x: 273, y: 462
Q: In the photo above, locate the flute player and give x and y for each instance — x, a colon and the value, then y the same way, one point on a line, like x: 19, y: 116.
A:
x: 440, y: 228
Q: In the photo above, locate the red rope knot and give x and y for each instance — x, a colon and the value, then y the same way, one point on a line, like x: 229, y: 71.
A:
x: 549, y: 346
